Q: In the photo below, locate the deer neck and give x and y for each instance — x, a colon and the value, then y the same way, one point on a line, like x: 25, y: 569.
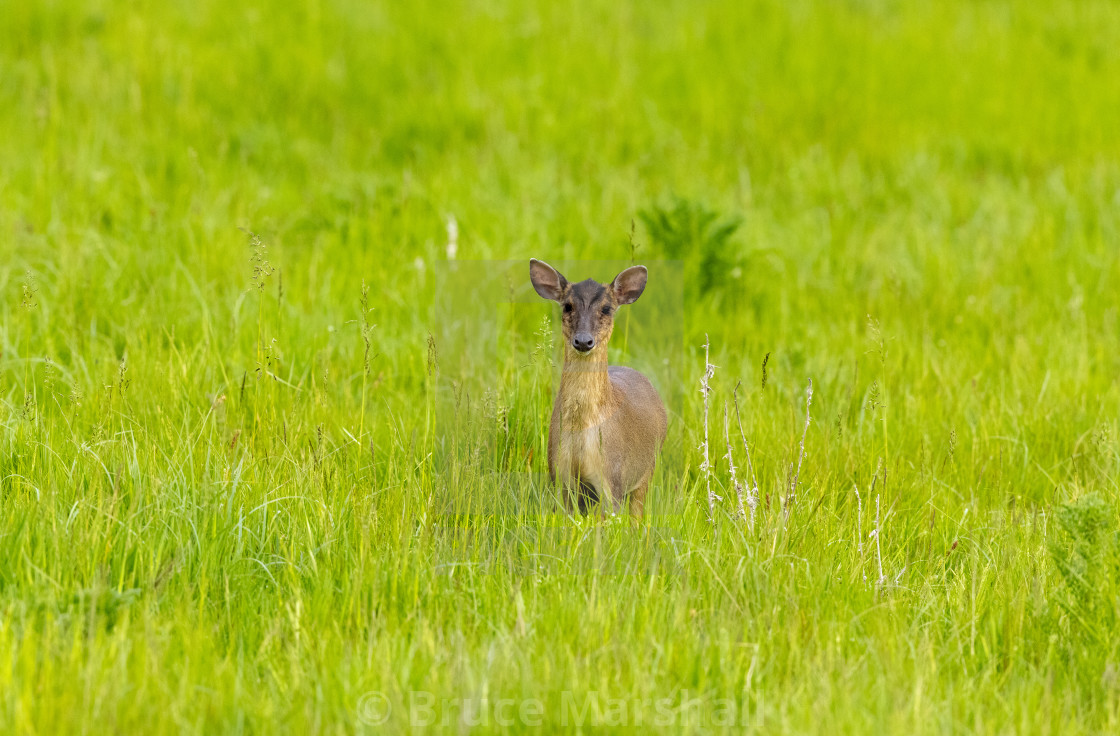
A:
x: 585, y: 389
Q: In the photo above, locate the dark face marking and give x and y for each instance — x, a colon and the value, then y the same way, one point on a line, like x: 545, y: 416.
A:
x: 588, y: 309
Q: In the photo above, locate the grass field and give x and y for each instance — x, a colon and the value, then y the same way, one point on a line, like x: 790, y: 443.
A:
x: 275, y: 387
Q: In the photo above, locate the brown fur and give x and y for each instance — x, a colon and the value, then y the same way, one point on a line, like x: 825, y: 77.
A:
x: 608, y: 422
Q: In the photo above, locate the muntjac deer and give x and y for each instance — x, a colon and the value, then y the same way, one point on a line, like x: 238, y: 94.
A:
x: 608, y: 422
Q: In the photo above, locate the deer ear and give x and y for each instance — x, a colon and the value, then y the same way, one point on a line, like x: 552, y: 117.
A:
x: 629, y: 284
x: 548, y: 282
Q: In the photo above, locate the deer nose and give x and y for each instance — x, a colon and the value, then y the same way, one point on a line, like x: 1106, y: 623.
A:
x: 583, y: 341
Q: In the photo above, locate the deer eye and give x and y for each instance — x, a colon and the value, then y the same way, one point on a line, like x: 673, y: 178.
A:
x: 606, y: 310
x: 567, y: 307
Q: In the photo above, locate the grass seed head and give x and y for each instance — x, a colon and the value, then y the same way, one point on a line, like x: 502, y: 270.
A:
x: 258, y: 258
x: 28, y: 290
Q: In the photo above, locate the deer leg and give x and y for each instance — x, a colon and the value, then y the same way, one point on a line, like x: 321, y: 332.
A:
x: 638, y: 500
x: 610, y: 504
x: 569, y: 497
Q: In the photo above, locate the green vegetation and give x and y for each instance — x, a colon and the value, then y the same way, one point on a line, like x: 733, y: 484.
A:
x: 271, y: 461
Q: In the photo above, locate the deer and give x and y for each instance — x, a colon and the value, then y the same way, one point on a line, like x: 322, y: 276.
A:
x: 608, y: 422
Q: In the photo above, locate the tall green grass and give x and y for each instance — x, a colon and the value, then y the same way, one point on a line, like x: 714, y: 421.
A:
x: 271, y: 461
